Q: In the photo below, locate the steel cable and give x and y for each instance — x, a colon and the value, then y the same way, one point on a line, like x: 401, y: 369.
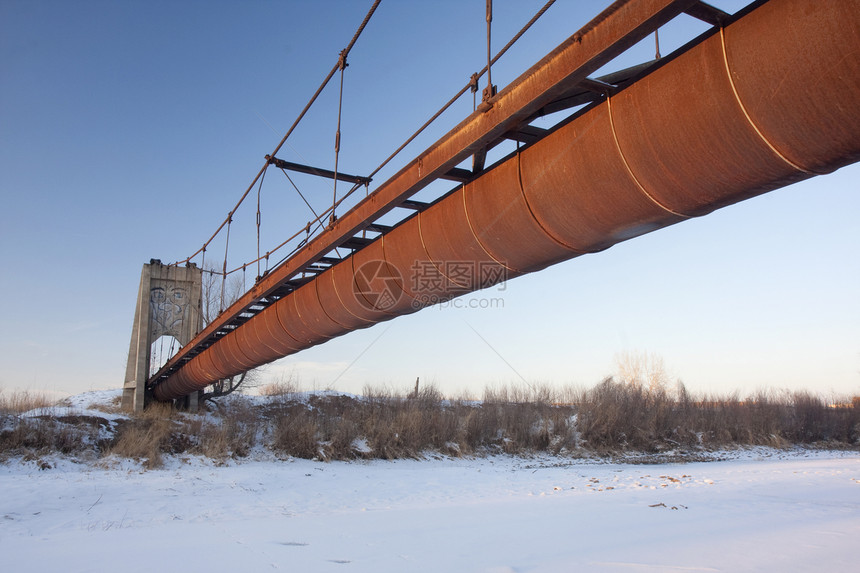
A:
x: 475, y: 77
x: 289, y: 132
x: 290, y: 179
x: 318, y: 221
x: 259, y: 191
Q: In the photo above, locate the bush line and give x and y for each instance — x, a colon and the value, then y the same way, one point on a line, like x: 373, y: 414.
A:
x: 610, y: 418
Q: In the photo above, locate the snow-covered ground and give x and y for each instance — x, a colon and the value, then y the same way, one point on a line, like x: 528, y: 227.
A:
x: 763, y: 510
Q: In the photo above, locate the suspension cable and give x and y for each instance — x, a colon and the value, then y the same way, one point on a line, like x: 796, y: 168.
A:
x: 317, y: 223
x: 224, y: 267
x: 473, y: 81
x: 489, y: 91
x: 343, y: 65
x: 290, y: 179
x: 522, y: 31
x: 289, y: 132
x: 259, y: 191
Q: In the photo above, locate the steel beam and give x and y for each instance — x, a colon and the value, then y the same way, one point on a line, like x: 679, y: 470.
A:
x: 707, y: 13
x: 325, y: 173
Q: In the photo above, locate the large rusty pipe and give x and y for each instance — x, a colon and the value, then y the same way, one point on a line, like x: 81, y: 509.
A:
x: 767, y: 101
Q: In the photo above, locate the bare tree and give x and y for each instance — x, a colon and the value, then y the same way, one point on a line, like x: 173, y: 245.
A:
x: 229, y: 385
x: 214, y: 286
x: 218, y: 294
x: 642, y: 370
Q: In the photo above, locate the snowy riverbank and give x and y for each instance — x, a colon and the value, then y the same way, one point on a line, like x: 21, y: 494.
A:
x: 761, y: 510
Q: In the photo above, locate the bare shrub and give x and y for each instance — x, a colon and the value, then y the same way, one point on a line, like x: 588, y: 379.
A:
x: 808, y: 419
x: 616, y: 415
x: 284, y: 386
x: 642, y: 370
x: 29, y: 427
x: 45, y: 435
x: 233, y: 433
x: 613, y: 416
x: 23, y: 401
x: 340, y: 441
x: 296, y: 434
x: 146, y: 436
x: 142, y: 441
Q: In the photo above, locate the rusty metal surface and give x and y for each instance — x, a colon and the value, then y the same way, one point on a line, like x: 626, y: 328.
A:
x: 452, y: 247
x: 331, y: 302
x: 292, y: 325
x: 687, y: 142
x: 274, y: 332
x: 255, y: 346
x: 207, y: 367
x: 675, y: 144
x: 222, y: 359
x: 812, y: 117
x: 403, y: 252
x: 583, y: 196
x: 234, y: 349
x: 345, y: 289
x: 374, y: 285
x: 312, y: 314
x: 501, y: 221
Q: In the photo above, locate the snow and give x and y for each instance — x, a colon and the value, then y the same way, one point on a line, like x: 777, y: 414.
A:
x: 758, y: 510
x: 91, y: 403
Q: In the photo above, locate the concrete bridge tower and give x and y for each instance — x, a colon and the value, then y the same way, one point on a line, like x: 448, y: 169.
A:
x: 169, y: 302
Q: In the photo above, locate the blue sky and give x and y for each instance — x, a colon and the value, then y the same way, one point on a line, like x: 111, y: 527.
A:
x: 129, y: 129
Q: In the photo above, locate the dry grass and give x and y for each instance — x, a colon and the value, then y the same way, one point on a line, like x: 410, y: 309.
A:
x: 232, y: 435
x: 159, y: 430
x: 612, y: 417
x: 285, y: 386
x: 389, y: 425
x: 23, y: 401
x: 39, y: 432
x: 42, y: 436
x: 145, y: 436
x: 615, y: 415
x: 297, y: 434
x: 112, y: 407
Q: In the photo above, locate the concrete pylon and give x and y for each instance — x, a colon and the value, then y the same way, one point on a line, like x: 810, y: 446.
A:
x: 169, y: 302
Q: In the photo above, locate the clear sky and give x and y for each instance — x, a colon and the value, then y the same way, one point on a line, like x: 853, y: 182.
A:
x: 129, y: 129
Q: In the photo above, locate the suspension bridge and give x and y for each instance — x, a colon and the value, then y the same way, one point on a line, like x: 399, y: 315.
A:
x: 764, y: 98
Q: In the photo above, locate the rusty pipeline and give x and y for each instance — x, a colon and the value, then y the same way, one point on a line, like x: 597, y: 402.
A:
x: 771, y: 99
